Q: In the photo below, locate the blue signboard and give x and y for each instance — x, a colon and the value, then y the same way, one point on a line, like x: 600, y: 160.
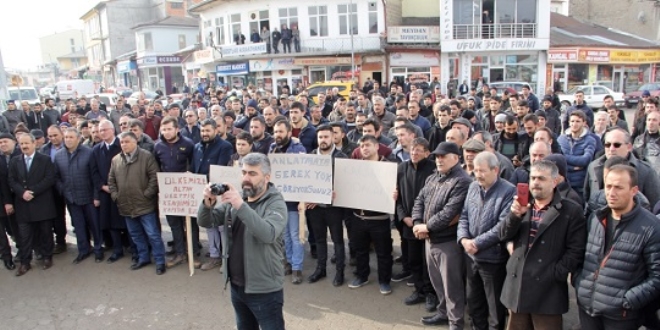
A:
x: 232, y: 69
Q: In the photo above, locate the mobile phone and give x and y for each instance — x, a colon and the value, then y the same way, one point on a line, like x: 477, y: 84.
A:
x: 523, y: 194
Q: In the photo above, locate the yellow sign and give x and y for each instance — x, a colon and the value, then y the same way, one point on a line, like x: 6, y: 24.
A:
x: 634, y: 56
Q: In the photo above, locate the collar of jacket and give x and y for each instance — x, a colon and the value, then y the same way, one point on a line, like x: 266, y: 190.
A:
x: 458, y: 167
x: 602, y: 213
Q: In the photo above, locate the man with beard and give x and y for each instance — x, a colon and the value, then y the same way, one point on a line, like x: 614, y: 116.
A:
x: 350, y: 117
x: 553, y: 118
x: 222, y: 127
x: 324, y: 106
x: 253, y: 226
x: 295, y: 251
x: 53, y: 115
x: 269, y: 118
x: 38, y: 120
x: 387, y: 118
x: 250, y: 112
x: 355, y: 134
x: 302, y: 128
x: 340, y: 140
x: 488, y: 120
x: 261, y: 139
x: 324, y: 217
x: 212, y: 150
x: 151, y: 123
x: 75, y: 166
x: 173, y: 153
x: 509, y: 140
x: 315, y: 117
x: 549, y: 236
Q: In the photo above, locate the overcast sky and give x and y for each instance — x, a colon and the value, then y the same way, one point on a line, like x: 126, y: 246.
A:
x: 23, y: 22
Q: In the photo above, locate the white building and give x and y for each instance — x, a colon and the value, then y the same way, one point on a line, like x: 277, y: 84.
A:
x: 329, y: 32
x: 495, y: 40
x: 60, y: 44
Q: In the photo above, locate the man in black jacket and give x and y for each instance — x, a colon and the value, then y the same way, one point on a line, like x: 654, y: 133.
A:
x: 435, y: 217
x: 548, y: 235
x: 324, y: 217
x: 7, y: 217
x: 620, y: 275
x: 411, y: 176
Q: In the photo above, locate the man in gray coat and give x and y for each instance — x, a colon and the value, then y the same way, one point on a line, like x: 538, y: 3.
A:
x: 252, y: 236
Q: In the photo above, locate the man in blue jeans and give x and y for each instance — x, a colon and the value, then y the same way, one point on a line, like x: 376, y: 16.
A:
x: 133, y: 183
x: 252, y: 230
x: 295, y: 251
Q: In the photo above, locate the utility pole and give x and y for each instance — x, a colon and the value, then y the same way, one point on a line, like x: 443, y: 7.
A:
x: 3, y: 83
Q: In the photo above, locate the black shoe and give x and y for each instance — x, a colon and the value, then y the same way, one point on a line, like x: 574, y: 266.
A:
x: 431, y: 304
x: 80, y: 258
x: 114, y: 257
x: 316, y: 276
x: 398, y: 259
x: 404, y: 275
x: 170, y: 252
x: 9, y: 264
x: 339, y: 278
x: 139, y: 265
x: 436, y: 319
x: 333, y: 260
x: 135, y: 259
x: 160, y: 269
x: 98, y: 258
x: 414, y: 299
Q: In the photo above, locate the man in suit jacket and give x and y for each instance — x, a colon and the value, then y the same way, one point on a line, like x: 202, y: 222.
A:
x: 31, y: 177
x: 7, y: 218
x: 109, y: 218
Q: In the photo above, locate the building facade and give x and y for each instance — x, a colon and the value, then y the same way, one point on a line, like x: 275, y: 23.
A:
x: 491, y: 41
x: 60, y: 44
x: 641, y: 17
x: 336, y: 37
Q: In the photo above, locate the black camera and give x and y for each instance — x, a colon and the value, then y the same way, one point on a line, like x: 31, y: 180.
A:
x: 218, y: 189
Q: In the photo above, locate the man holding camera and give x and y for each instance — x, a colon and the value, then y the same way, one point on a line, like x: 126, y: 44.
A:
x: 253, y: 229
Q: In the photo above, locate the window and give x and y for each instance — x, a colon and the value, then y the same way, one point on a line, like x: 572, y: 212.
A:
x: 258, y: 20
x: 289, y: 17
x: 220, y: 30
x: 373, y: 17
x: 235, y: 24
x: 145, y: 42
x: 182, y: 41
x: 346, y: 25
x: 318, y: 21
x: 176, y: 5
x: 206, y: 24
x: 72, y: 41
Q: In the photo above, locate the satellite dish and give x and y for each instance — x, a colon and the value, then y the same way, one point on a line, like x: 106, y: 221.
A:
x: 16, y: 80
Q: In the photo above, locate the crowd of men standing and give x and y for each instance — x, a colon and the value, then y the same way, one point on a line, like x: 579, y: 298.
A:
x: 469, y: 238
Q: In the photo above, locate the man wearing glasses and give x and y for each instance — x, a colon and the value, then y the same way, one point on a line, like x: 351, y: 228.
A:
x: 618, y: 143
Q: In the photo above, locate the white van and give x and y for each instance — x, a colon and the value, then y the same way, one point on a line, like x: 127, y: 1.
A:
x: 26, y: 93
x: 74, y: 88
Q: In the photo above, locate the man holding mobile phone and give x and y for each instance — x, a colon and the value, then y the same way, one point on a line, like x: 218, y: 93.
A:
x: 549, y: 237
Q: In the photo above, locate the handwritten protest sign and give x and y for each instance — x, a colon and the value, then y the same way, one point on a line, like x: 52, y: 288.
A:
x: 365, y: 185
x: 302, y: 177
x: 180, y: 193
x: 227, y: 174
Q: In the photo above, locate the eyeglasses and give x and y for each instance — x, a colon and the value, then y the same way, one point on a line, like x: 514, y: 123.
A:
x: 616, y: 145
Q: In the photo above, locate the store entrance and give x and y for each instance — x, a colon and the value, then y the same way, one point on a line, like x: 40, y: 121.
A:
x: 617, y: 80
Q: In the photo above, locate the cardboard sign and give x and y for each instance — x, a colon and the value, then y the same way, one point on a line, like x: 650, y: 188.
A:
x: 302, y: 177
x: 227, y: 174
x: 180, y: 193
x: 365, y: 185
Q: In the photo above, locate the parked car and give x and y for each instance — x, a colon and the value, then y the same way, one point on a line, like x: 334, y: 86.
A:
x: 47, y: 92
x: 501, y: 86
x: 344, y: 89
x: 27, y: 93
x: 633, y: 98
x: 594, y: 95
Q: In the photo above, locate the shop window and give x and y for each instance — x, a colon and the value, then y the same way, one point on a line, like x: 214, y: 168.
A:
x: 578, y: 74
x: 346, y: 24
x: 373, y: 17
x: 318, y: 21
x: 605, y: 73
x: 521, y: 68
x: 258, y: 20
x: 289, y: 17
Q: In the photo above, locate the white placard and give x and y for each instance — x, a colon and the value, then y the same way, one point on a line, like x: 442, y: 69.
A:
x: 302, y: 177
x: 365, y: 185
x: 227, y: 174
x: 180, y: 193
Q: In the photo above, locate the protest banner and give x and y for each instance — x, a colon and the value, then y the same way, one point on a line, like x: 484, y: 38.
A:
x: 227, y: 174
x: 302, y: 177
x: 180, y: 195
x: 365, y: 185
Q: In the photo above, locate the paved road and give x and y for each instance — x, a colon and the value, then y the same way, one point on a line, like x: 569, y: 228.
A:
x: 101, y: 296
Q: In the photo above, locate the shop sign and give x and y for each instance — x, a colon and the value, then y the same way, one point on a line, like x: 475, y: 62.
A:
x: 149, y: 60
x: 323, y: 61
x: 446, y: 20
x: 203, y: 56
x: 634, y: 56
x: 125, y: 66
x: 559, y: 56
x: 520, y: 44
x: 594, y: 55
x: 413, y: 34
x: 232, y: 69
x: 273, y: 64
x: 414, y: 59
x: 248, y: 49
x: 169, y: 59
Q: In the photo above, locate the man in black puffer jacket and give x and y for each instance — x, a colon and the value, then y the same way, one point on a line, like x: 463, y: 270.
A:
x: 621, y: 271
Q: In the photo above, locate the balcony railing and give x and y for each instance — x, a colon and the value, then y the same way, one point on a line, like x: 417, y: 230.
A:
x: 338, y: 44
x: 495, y: 31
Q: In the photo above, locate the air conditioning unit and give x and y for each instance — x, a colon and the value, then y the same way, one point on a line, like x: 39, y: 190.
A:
x: 253, y: 16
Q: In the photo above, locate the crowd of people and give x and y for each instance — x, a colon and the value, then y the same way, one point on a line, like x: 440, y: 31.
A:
x: 471, y: 237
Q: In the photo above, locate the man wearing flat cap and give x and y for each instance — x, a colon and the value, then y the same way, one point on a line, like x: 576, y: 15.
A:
x: 471, y: 148
x: 435, y: 217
